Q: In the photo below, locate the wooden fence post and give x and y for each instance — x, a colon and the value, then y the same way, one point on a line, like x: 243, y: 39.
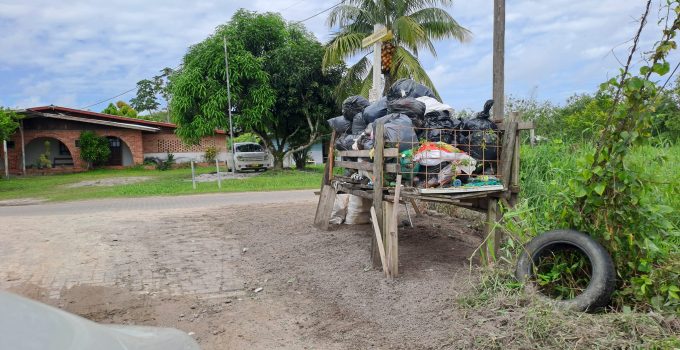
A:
x: 378, y: 160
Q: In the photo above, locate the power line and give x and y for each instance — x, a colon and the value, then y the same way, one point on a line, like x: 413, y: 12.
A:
x: 318, y: 13
x: 287, y: 7
x: 110, y: 98
x: 120, y: 94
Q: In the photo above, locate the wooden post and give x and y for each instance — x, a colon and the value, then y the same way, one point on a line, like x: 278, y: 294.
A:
x: 532, y: 137
x: 23, y: 148
x: 507, y: 155
x: 379, y: 146
x: 219, y: 180
x: 193, y: 175
x: 392, y: 232
x: 514, y: 177
x: 499, y: 59
x: 494, y: 235
x: 4, y: 155
x: 328, y: 168
x: 376, y: 89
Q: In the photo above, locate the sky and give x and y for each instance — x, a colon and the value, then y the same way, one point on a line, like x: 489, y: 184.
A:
x: 75, y: 53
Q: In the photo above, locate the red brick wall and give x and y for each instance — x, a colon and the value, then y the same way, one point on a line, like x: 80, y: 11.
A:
x: 132, y: 138
x: 166, y: 141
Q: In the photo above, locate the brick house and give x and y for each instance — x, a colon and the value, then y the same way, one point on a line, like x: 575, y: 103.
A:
x: 131, y: 140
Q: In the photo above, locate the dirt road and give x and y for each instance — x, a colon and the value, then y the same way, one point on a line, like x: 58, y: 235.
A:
x: 196, y: 262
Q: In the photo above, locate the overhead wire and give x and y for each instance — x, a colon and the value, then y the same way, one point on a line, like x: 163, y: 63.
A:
x: 297, y: 22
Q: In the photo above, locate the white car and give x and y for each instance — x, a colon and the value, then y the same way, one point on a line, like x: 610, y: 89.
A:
x: 29, y: 325
x: 251, y: 156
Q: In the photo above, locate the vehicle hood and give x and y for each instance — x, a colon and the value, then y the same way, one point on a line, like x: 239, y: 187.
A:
x: 28, y: 325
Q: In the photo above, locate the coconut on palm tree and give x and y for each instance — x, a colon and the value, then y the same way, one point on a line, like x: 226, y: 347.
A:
x: 415, y: 25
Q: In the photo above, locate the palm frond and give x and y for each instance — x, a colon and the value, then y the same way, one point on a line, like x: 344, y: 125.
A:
x: 439, y: 24
x: 352, y: 80
x: 406, y: 65
x: 344, y: 44
x: 344, y: 15
x: 409, y: 33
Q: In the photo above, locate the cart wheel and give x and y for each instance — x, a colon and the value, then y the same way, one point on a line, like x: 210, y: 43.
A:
x: 602, y: 277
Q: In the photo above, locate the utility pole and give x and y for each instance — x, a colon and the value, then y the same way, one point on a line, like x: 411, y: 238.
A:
x: 231, y: 125
x: 498, y: 59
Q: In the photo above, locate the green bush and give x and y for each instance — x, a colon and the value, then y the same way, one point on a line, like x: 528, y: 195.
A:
x: 210, y: 154
x: 94, y: 149
x: 167, y: 163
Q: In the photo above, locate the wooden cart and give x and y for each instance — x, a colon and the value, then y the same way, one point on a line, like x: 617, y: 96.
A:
x: 384, y: 247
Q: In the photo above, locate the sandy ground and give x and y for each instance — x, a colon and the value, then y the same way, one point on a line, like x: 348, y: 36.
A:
x: 113, y: 181
x: 318, y: 289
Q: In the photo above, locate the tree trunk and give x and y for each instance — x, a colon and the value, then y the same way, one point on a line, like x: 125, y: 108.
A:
x: 301, y: 159
x: 388, y: 83
x: 278, y: 159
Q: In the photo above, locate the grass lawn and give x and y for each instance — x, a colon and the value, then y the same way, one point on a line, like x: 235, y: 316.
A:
x: 162, y: 183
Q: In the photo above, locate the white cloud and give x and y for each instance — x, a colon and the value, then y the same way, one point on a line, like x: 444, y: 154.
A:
x: 76, y: 52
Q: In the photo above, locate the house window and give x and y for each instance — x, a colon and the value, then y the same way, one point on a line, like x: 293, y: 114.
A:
x: 10, y: 144
x: 63, y: 151
x: 114, y: 142
x: 78, y: 143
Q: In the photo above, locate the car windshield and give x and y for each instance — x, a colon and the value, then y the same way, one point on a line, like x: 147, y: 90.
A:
x: 251, y: 147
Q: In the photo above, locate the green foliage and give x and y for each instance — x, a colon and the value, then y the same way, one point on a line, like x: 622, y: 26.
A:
x: 279, y: 90
x: 94, y: 149
x: 44, y: 161
x: 120, y: 109
x: 167, y: 163
x: 415, y: 25
x: 9, y: 122
x: 145, y: 100
x: 210, y: 154
x: 247, y: 137
x: 199, y: 94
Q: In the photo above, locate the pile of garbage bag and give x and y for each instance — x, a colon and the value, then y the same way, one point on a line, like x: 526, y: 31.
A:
x: 436, y: 148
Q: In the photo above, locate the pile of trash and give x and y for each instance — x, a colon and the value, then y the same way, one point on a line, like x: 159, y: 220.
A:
x: 436, y: 148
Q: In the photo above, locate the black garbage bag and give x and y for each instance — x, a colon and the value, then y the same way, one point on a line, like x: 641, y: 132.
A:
x: 353, y: 105
x: 344, y: 142
x: 408, y: 88
x: 478, y: 137
x: 409, y: 106
x: 358, y: 124
x: 398, y: 131
x: 340, y: 124
x: 375, y: 110
x: 440, y: 127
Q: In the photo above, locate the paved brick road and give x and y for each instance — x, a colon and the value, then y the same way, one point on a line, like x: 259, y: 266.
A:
x: 156, y: 244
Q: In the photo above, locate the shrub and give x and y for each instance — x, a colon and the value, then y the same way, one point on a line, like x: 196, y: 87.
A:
x: 167, y: 163
x: 210, y: 154
x: 94, y: 149
x: 44, y: 161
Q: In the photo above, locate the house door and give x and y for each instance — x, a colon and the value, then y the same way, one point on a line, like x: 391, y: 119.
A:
x: 116, y: 157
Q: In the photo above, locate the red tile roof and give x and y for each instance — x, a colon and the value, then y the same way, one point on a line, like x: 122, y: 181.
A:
x: 95, y: 115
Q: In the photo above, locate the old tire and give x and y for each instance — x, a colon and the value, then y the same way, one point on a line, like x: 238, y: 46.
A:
x: 603, y: 276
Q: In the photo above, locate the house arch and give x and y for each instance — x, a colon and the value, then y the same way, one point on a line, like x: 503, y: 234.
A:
x: 56, y: 150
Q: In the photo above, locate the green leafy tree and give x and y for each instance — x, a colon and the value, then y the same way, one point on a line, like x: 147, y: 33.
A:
x: 146, y: 96
x: 121, y: 109
x: 9, y: 122
x: 415, y: 25
x: 199, y: 88
x: 94, y: 149
x: 279, y: 90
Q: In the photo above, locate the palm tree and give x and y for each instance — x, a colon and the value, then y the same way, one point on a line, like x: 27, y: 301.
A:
x: 414, y: 23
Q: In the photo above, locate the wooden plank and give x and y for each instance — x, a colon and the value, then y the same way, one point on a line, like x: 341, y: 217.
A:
x: 520, y: 126
x: 390, y: 168
x: 387, y: 153
x: 378, y: 238
x: 499, y: 59
x: 452, y: 190
x: 415, y: 207
x: 378, y: 160
x: 508, y: 152
x: 394, y: 231
x: 324, y: 208
x: 388, y: 209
